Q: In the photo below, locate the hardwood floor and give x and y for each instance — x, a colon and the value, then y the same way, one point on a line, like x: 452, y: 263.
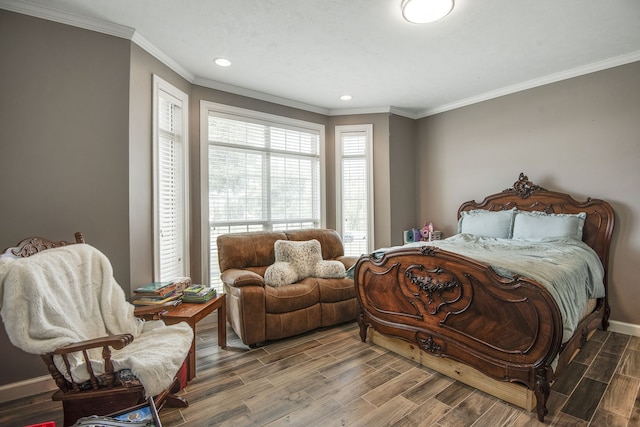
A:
x: 330, y: 378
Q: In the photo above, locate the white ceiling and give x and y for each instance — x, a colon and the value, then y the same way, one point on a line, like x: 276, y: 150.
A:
x: 306, y: 53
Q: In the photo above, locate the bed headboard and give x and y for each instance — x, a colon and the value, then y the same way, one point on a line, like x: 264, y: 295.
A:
x: 526, y: 196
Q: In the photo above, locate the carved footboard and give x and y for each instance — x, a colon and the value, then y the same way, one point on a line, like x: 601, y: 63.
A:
x: 454, y: 307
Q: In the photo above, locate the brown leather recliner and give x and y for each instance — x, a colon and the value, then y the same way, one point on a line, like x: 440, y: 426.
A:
x: 258, y: 312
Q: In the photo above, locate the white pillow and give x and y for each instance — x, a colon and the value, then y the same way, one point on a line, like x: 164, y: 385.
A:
x: 536, y: 225
x: 486, y: 223
x: 296, y: 260
x: 280, y: 274
x: 330, y: 270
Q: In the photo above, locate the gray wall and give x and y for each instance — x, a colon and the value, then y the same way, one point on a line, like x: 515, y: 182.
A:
x: 64, y: 112
x: 402, y: 166
x: 580, y: 136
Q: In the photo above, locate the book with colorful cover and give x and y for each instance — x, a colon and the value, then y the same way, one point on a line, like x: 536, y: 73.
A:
x: 147, y: 300
x: 182, y: 283
x: 156, y: 289
x: 193, y: 289
x: 199, y: 296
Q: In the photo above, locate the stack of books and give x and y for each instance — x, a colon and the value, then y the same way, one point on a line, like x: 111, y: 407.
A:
x: 157, y: 293
x: 182, y: 283
x: 198, y: 294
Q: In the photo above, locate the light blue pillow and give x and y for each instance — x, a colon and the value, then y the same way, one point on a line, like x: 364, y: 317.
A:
x: 485, y: 223
x: 536, y: 225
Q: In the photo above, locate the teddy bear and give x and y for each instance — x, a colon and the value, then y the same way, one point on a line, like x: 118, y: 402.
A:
x: 426, y: 231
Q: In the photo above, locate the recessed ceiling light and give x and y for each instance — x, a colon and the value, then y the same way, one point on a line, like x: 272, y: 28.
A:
x: 424, y: 11
x: 346, y: 97
x: 223, y: 62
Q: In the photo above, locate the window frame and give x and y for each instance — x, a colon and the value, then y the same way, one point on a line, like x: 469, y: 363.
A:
x: 368, y: 130
x: 237, y: 113
x: 160, y: 85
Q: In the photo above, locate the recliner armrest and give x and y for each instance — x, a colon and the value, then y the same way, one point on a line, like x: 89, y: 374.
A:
x: 237, y: 278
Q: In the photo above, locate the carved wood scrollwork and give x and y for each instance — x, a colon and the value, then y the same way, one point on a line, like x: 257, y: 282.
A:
x: 430, y: 287
x: 429, y: 250
x: 430, y: 345
x: 34, y: 246
x: 523, y: 187
x: 435, y: 288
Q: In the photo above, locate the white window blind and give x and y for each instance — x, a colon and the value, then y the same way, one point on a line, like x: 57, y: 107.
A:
x: 263, y: 175
x: 355, y: 200
x: 171, y: 189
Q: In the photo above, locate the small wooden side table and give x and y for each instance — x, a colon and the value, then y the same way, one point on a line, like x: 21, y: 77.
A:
x: 192, y: 313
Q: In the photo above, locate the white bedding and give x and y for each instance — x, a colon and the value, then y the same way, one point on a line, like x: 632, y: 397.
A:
x: 568, y: 268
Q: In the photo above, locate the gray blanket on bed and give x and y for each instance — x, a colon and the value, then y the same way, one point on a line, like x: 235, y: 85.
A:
x: 568, y: 268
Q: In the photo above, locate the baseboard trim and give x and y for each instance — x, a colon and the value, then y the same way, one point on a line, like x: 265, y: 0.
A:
x: 30, y: 387
x: 624, y: 328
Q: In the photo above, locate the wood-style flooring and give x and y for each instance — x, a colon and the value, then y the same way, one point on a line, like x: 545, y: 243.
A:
x: 330, y: 378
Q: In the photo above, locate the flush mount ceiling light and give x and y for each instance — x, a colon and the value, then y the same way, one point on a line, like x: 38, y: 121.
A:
x: 424, y: 11
x: 346, y: 97
x: 223, y: 62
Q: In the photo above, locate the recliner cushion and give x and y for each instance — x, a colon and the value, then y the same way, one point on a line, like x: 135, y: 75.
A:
x: 334, y: 290
x: 293, y: 297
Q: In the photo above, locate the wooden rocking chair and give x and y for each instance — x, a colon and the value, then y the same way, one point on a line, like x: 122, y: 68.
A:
x: 101, y: 394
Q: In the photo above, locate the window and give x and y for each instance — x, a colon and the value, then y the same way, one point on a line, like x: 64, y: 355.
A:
x: 354, y: 188
x: 170, y: 172
x: 263, y: 173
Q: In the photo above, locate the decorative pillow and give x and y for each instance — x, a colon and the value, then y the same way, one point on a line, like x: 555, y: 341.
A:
x: 487, y: 223
x: 535, y: 225
x: 280, y: 274
x: 303, y: 256
x: 330, y: 270
x: 297, y: 260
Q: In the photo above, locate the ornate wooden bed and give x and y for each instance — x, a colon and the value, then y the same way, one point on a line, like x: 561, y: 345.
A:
x: 453, y: 313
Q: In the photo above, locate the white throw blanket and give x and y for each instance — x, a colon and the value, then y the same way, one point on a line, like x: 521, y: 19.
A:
x: 68, y: 294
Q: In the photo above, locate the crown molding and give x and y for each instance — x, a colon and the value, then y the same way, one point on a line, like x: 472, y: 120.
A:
x: 237, y: 90
x: 552, y: 78
x: 117, y: 30
x: 154, y: 51
x: 50, y: 14
x: 404, y: 113
x: 373, y: 110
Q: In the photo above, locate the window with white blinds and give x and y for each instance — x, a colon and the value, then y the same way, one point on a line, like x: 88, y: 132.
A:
x: 171, y: 256
x: 264, y: 173
x: 355, y: 188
